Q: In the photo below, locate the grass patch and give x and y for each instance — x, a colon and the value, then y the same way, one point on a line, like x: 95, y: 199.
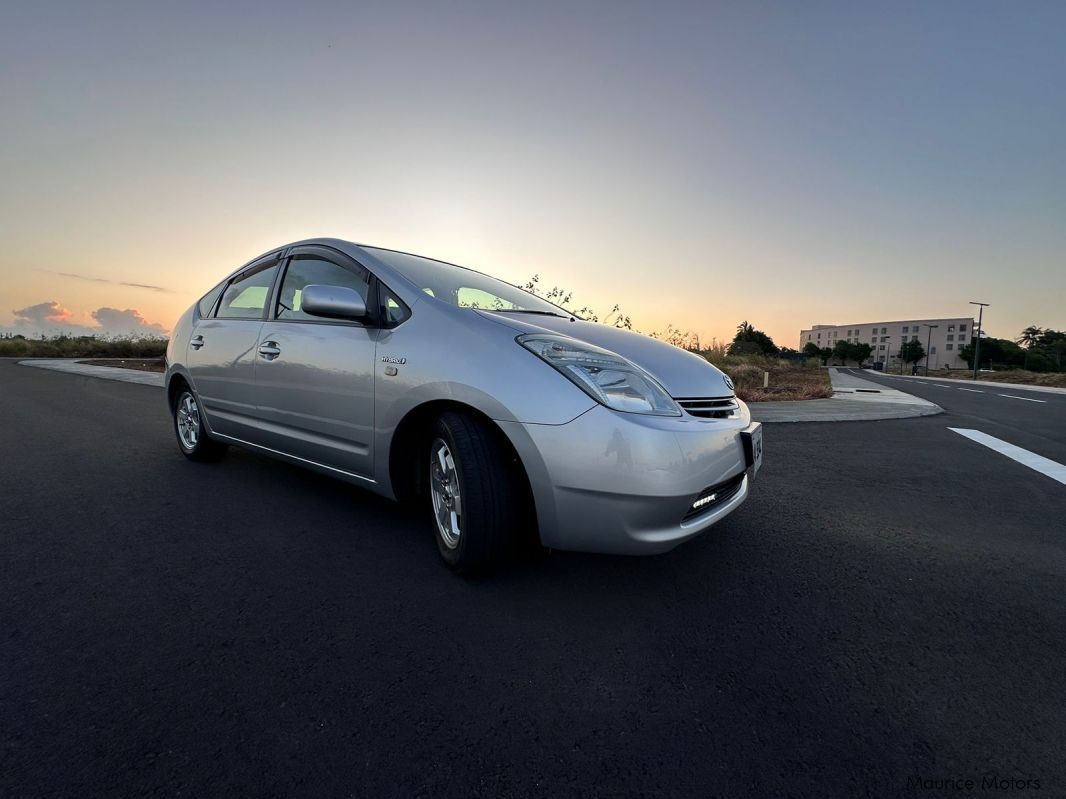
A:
x: 788, y: 379
x: 1050, y: 379
x: 82, y: 347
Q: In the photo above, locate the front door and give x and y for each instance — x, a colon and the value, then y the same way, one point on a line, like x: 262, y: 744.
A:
x: 222, y: 351
x: 315, y: 377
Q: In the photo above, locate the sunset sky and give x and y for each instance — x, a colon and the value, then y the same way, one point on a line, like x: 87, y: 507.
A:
x: 700, y: 164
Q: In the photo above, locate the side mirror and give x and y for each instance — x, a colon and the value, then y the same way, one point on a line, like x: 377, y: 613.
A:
x: 333, y: 302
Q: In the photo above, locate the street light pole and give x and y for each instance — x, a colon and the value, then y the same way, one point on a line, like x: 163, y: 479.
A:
x: 977, y: 341
x: 928, y: 342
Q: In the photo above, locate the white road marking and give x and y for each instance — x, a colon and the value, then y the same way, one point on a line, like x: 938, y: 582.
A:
x: 940, y: 386
x: 1046, y: 466
x: 1027, y: 399
x: 972, y: 390
x: 920, y: 383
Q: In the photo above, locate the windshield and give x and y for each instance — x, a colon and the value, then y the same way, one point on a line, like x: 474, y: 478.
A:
x: 464, y: 287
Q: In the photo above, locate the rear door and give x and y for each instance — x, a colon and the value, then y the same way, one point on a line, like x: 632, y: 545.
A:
x: 315, y: 377
x: 222, y: 351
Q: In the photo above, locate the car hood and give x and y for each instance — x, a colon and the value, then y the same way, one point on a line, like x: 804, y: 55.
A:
x: 682, y: 373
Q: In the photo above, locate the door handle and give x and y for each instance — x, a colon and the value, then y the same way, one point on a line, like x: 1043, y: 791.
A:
x: 269, y: 350
x: 196, y: 342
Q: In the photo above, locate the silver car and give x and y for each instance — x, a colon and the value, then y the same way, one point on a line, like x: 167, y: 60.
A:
x: 508, y: 417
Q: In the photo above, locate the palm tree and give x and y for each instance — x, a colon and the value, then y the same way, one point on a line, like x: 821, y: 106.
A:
x: 1030, y: 337
x: 743, y: 329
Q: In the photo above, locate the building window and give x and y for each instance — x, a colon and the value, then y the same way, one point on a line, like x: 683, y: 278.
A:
x: 906, y: 329
x: 881, y: 347
x: 951, y: 337
x: 914, y: 338
x: 808, y: 337
x: 884, y: 330
x: 951, y: 328
x: 932, y: 350
x: 949, y: 346
x: 962, y: 328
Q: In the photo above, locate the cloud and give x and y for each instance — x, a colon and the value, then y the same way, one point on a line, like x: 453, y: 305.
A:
x: 90, y: 279
x: 51, y: 318
x: 112, y: 320
x: 43, y: 313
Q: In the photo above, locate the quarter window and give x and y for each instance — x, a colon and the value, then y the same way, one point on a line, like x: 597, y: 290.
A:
x: 392, y: 310
x: 306, y: 270
x: 207, y: 304
x: 246, y: 296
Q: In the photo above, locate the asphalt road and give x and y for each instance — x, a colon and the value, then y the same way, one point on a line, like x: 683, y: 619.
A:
x: 890, y: 604
x: 1035, y: 420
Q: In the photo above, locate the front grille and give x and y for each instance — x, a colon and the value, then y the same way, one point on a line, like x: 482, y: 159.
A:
x: 723, y: 492
x: 709, y: 407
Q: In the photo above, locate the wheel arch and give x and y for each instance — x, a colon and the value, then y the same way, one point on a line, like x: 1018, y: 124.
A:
x: 411, y: 438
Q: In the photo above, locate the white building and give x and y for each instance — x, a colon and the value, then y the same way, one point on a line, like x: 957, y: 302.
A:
x: 941, y: 338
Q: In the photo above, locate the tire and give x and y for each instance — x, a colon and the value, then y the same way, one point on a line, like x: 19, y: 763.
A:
x: 478, y: 529
x: 193, y: 439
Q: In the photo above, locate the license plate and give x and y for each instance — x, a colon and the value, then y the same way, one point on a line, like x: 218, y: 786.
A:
x: 752, y: 438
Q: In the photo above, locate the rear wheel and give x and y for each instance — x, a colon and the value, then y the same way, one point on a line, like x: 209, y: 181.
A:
x: 474, y: 493
x: 193, y: 439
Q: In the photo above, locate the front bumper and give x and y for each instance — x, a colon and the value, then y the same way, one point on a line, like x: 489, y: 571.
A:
x: 623, y: 483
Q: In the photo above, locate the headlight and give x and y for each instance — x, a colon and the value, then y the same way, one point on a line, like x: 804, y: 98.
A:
x: 608, y: 378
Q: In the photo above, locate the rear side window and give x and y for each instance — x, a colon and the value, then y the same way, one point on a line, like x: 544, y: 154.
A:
x: 307, y: 270
x: 207, y: 304
x: 246, y: 296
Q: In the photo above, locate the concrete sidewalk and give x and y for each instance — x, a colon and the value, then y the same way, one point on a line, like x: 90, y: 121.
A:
x: 988, y: 383
x: 854, y: 400
x: 72, y: 366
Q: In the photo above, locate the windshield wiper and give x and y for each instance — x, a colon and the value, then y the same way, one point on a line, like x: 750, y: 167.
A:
x: 523, y: 310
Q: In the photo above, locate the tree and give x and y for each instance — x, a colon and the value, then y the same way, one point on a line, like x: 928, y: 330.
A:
x: 842, y: 351
x: 825, y: 354
x: 999, y: 351
x: 1030, y: 337
x: 812, y: 350
x: 911, y: 351
x: 861, y: 352
x: 1052, y: 345
x: 748, y: 340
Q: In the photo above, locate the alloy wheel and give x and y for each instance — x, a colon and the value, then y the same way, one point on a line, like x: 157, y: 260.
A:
x: 444, y: 489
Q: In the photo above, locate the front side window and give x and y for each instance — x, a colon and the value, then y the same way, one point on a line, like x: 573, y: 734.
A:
x: 246, y: 296
x: 307, y: 270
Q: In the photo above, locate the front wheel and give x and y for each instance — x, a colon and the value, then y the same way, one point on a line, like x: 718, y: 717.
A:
x: 474, y: 493
x: 193, y: 439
